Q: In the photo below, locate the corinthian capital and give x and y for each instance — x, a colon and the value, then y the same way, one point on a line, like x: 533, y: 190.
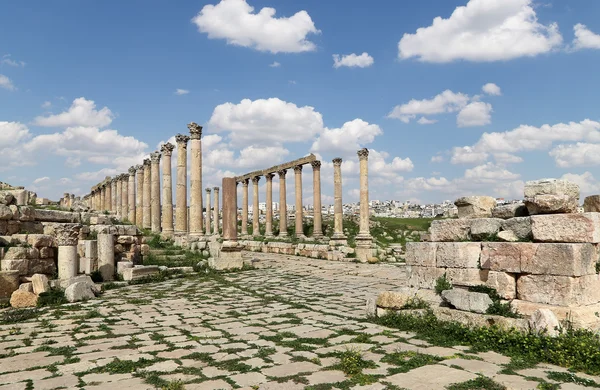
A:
x: 255, y: 179
x: 195, y: 130
x: 132, y: 171
x: 182, y: 140
x: 282, y: 173
x: 139, y: 168
x: 337, y: 162
x: 363, y: 154
x: 155, y: 157
x: 316, y: 165
x: 167, y: 149
x: 298, y: 169
x: 147, y: 162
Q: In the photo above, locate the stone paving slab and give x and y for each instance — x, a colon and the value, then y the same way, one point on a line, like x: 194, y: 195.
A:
x: 288, y: 324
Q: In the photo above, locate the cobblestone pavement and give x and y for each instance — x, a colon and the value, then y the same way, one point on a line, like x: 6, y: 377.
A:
x: 286, y: 325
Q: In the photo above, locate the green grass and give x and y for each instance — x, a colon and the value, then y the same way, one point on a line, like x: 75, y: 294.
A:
x: 481, y: 383
x: 408, y: 360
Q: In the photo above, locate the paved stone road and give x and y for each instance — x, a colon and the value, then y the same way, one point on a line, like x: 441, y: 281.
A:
x: 284, y: 325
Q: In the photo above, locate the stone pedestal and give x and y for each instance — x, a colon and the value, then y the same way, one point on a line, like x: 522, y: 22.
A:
x: 283, y: 220
x: 215, y: 212
x: 131, y: 196
x: 147, y: 221
x: 338, y: 211
x: 106, y: 256
x: 139, y: 196
x: 255, y: 210
x: 181, y: 217
x: 230, y: 254
x: 167, y: 201
x: 244, y: 207
x: 68, y: 261
x: 317, y: 216
x: 155, y: 192
x: 207, y: 219
x: 269, y: 222
x: 196, y: 224
x: 299, y: 209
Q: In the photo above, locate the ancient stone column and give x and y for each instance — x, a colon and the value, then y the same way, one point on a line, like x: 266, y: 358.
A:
x: 269, y: 224
x: 283, y: 220
x: 181, y: 220
x: 119, y: 203
x: 66, y: 239
x: 216, y: 211
x: 338, y: 211
x: 244, y: 207
x: 167, y: 201
x: 131, y: 196
x: 255, y: 211
x: 155, y: 191
x: 125, y: 196
x: 317, y: 216
x: 109, y: 194
x: 102, y: 198
x: 207, y: 219
x: 299, y: 210
x: 113, y: 192
x: 139, y: 196
x: 363, y: 156
x: 147, y: 221
x: 106, y: 256
x: 229, y: 209
x: 196, y: 224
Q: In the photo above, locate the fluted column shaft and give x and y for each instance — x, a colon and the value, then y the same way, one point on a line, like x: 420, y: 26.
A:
x: 109, y: 196
x: 167, y: 197
x: 283, y: 220
x: 119, y: 200
x: 207, y: 219
x: 181, y: 220
x: 363, y: 156
x: 255, y: 210
x: 124, y: 197
x: 245, y: 207
x: 139, y: 196
x: 299, y: 210
x: 147, y: 222
x: 113, y: 195
x: 131, y: 196
x: 338, y: 211
x: 317, y: 217
x: 196, y: 224
x: 269, y: 223
x: 103, y: 198
x: 216, y: 211
x: 155, y: 192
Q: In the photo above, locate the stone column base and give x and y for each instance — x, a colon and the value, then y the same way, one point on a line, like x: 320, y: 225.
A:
x: 340, y: 240
x: 364, y: 248
x: 230, y: 257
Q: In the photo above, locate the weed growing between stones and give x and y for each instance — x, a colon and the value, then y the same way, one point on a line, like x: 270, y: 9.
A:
x: 408, y: 360
x: 13, y: 316
x: 52, y: 297
x: 568, y: 377
x: 577, y: 349
x: 497, y: 307
x: 442, y: 284
x: 477, y: 384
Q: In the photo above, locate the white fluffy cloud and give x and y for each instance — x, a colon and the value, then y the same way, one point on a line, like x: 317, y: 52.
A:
x: 348, y: 139
x: 475, y: 114
x: 483, y: 30
x: 426, y: 121
x: 579, y: 154
x: 492, y: 89
x: 467, y: 155
x: 11, y: 133
x: 266, y: 120
x: 257, y: 156
x: 7, y: 60
x: 180, y: 91
x: 352, y: 60
x: 81, y: 113
x: 444, y: 102
x: 586, y: 181
x: 236, y: 22
x: 6, y: 83
x: 584, y: 38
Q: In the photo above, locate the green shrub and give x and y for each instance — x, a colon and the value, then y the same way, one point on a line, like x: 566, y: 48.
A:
x: 97, y: 277
x: 442, y: 284
x: 497, y: 307
x: 52, y: 297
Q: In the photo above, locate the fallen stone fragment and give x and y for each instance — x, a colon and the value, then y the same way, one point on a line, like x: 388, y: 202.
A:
x: 544, y: 321
x: 475, y: 206
x: 551, y: 196
x: 467, y: 301
x: 40, y: 284
x: 21, y: 299
x: 392, y: 299
x: 79, y: 291
x: 511, y: 210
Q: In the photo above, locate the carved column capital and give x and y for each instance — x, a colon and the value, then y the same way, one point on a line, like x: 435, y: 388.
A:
x: 363, y: 154
x: 245, y: 182
x: 282, y: 173
x: 182, y: 140
x: 207, y: 189
x: 167, y: 149
x: 316, y: 165
x: 139, y: 168
x: 155, y: 157
x: 147, y: 162
x: 269, y: 176
x: 216, y: 189
x: 298, y: 169
x: 337, y: 162
x: 255, y: 179
x: 132, y: 171
x: 195, y: 130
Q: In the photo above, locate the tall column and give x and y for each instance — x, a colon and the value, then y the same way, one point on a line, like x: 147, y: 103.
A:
x: 269, y: 224
x: 103, y: 197
x: 125, y: 197
x: 119, y: 199
x: 167, y: 201
x: 196, y: 180
x: 139, y: 196
x: 317, y: 217
x: 283, y: 220
x: 299, y: 210
x: 255, y: 211
x: 229, y: 209
x: 363, y: 156
x: 181, y: 220
x: 113, y: 192
x: 147, y: 221
x: 155, y: 191
x: 338, y: 211
x: 131, y: 196
x: 108, y: 204
x: 106, y: 256
x: 207, y: 219
x: 244, y: 207
x: 216, y: 211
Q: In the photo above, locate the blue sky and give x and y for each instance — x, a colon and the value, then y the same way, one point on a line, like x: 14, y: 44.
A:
x: 87, y: 89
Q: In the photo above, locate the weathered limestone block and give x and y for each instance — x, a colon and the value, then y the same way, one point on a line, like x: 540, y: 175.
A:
x: 46, y: 253
x: 580, y: 317
x: 145, y: 249
x: 591, y: 204
x: 41, y: 266
x: 504, y: 283
x: 122, y: 266
x: 20, y: 265
x: 66, y: 234
x: 561, y: 259
x: 559, y: 290
x: 128, y: 240
x: 100, y: 220
x: 40, y: 283
x: 482, y: 228
x: 506, y: 257
x: 544, y: 321
x: 566, y: 228
x: 26, y: 213
x: 13, y: 227
x: 16, y: 253
x: 79, y: 291
x: 467, y: 301
x: 423, y: 277
x: 511, y: 210
x: 450, y: 230
x: 9, y: 282
x: 40, y: 240
x: 519, y: 226
x: 44, y: 215
x: 549, y: 196
x: 139, y: 272
x: 466, y: 277
x: 26, y: 287
x: 475, y: 206
x: 90, y: 249
x: 87, y: 265
x: 507, y: 236
x: 393, y: 299
x: 33, y: 227
x: 421, y: 253
x: 22, y: 299
x: 3, y: 227
x: 6, y: 213
x: 458, y: 254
